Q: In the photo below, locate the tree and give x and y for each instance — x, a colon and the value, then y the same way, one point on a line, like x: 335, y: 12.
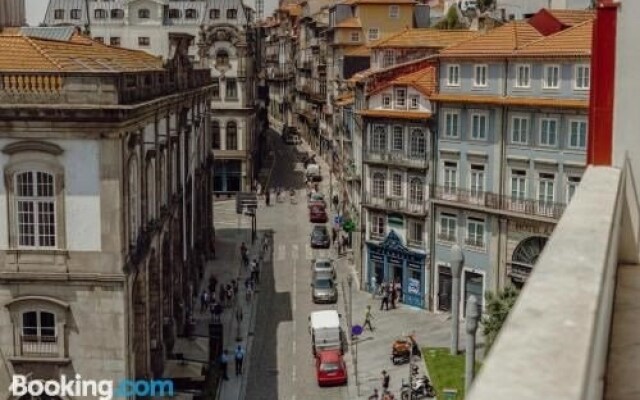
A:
x: 451, y: 20
x: 498, y: 306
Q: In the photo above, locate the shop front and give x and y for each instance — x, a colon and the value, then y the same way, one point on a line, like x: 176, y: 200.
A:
x: 392, y: 261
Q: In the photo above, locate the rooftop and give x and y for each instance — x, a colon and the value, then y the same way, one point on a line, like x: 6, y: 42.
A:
x: 426, y: 37
x: 423, y: 80
x: 511, y: 100
x: 502, y: 41
x: 397, y: 114
x: 353, y: 22
x: 574, y: 41
x: 359, y: 51
x: 572, y: 17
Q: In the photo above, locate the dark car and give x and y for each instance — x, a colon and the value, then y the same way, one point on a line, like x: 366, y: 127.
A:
x: 318, y: 214
x: 320, y: 237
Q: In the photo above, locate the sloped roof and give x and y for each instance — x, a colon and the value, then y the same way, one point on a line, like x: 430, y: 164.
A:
x: 510, y: 100
x: 572, y: 17
x: 349, y: 23
x: 359, y: 51
x: 423, y: 80
x: 501, y: 41
x: 78, y: 54
x: 426, y: 37
x: 574, y: 41
x: 397, y: 114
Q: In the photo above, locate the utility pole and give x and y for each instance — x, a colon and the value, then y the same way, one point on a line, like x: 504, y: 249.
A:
x: 457, y: 260
x: 473, y: 314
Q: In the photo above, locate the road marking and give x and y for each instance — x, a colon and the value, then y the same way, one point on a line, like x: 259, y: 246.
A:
x: 282, y: 252
x: 293, y: 373
x: 294, y: 252
x: 293, y: 298
x: 309, y: 252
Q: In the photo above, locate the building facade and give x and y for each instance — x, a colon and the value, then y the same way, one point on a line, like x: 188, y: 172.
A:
x: 12, y: 13
x: 106, y: 188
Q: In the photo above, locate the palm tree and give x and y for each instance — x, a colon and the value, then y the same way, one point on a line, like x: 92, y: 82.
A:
x: 498, y: 306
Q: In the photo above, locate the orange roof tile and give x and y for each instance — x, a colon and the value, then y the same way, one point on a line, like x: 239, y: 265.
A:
x: 510, y: 101
x: 349, y: 23
x: 400, y: 114
x: 345, y: 99
x: 427, y: 37
x: 574, y: 41
x: 360, y: 51
x: 497, y: 42
x: 76, y: 55
x: 423, y: 80
x: 572, y: 17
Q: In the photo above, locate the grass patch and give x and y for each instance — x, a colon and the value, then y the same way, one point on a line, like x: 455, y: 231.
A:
x: 446, y: 371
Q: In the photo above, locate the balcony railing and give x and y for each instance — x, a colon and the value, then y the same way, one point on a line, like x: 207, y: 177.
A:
x: 446, y: 237
x: 39, y: 346
x: 498, y: 202
x: 415, y: 243
x: 474, y: 242
x: 401, y: 204
x: 397, y: 158
x: 376, y: 235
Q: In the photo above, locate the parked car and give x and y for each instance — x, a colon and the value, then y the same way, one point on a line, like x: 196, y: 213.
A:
x: 313, y: 173
x: 330, y: 368
x: 320, y: 237
x: 323, y: 288
x: 326, y: 265
x: 318, y: 214
x: 317, y: 199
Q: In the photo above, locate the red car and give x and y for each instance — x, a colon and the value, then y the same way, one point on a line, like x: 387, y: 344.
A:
x: 318, y: 214
x: 330, y: 368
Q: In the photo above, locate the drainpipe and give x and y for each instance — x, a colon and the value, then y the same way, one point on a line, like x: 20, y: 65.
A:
x: 432, y: 213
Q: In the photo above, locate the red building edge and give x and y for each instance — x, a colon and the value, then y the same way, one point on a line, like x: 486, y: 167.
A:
x: 601, y: 97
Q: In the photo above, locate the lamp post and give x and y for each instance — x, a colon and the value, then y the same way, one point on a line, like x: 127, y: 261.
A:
x: 457, y: 260
x: 350, y: 283
x: 473, y: 314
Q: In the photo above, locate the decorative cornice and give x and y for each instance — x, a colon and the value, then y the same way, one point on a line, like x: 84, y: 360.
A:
x: 32, y: 145
x: 38, y: 299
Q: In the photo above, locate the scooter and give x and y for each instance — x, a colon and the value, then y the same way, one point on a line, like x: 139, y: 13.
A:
x: 419, y: 388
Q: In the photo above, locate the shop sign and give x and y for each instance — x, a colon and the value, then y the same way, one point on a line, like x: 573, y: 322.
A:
x: 414, y: 286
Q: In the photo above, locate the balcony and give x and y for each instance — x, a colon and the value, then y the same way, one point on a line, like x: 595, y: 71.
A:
x: 418, y: 244
x: 501, y: 204
x: 446, y: 237
x: 397, y: 158
x: 474, y: 243
x: 39, y: 347
x: 399, y: 204
x: 280, y: 73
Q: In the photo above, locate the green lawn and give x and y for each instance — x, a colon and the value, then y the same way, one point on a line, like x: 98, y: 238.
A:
x: 446, y: 371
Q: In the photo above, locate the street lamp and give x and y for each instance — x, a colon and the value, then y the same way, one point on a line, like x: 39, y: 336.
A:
x: 350, y: 283
x: 457, y: 260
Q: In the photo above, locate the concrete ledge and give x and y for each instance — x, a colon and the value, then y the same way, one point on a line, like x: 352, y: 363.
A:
x: 554, y: 344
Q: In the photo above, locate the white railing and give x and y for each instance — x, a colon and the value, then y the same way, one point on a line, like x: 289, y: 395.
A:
x: 34, y: 345
x: 554, y: 343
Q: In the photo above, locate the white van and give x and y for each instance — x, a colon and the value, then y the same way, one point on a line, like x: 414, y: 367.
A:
x: 313, y: 173
x: 325, y: 330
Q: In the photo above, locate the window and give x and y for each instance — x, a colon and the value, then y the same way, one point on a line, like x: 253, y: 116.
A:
x: 477, y: 180
x: 99, y: 39
x: 174, y: 13
x: 447, y: 227
x: 134, y: 208
x: 479, y: 127
x: 232, y: 135
x: 76, y: 13
x: 416, y: 191
x: 582, y: 78
x: 190, y: 13
x: 388, y: 58
x: 215, y: 83
x: 214, y: 13
x: 416, y: 229
x: 523, y: 76
x: 518, y: 184
x: 222, y: 58
x: 480, y: 75
x: 414, y: 102
x: 394, y: 11
x: 551, y: 77
x: 114, y: 41
x: 397, y: 140
x: 379, y: 139
x: 377, y: 225
x: 378, y: 186
x: 374, y: 34
x: 578, y: 135
x: 144, y: 13
x: 546, y: 189
x: 232, y: 13
x: 572, y: 185
x: 418, y: 143
x: 396, y: 185
x: 386, y: 101
x: 548, y: 132
x: 475, y: 232
x: 36, y: 209
x: 143, y: 41
x: 355, y: 36
x: 215, y: 133
x: 451, y: 124
x: 117, y: 13
x: 38, y: 326
x: 58, y: 13
x: 519, y: 130
x: 231, y: 89
x: 401, y: 98
x: 453, y: 75
x: 450, y: 172
x: 100, y: 13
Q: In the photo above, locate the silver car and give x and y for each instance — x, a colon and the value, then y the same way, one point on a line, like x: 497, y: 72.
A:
x: 323, y: 288
x: 323, y: 265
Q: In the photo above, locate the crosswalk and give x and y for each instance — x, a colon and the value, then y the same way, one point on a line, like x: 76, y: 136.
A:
x: 294, y: 252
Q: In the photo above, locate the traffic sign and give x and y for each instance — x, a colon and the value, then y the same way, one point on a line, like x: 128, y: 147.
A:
x: 356, y: 330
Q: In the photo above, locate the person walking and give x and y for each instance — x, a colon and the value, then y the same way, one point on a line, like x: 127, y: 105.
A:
x: 267, y: 196
x: 375, y: 395
x: 204, y: 301
x: 335, y: 201
x: 393, y: 293
x: 244, y: 252
x: 224, y: 362
x: 367, y: 319
x: 374, y: 286
x: 385, y: 299
x: 239, y: 359
x: 385, y: 381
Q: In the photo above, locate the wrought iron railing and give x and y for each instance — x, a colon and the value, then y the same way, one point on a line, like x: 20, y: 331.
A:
x: 401, y: 204
x: 397, y: 158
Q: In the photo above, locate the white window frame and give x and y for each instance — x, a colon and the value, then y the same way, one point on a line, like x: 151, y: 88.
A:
x: 387, y: 101
x: 585, y: 82
x: 378, y: 149
x: 453, y: 71
x: 580, y: 122
x: 394, y: 11
x: 414, y: 102
x: 398, y: 103
x: 480, y: 116
x: 35, y: 200
x: 354, y: 37
x: 474, y: 239
x: 450, y: 176
x: 545, y: 79
x: 416, y: 190
x: 521, y: 132
x: 411, y: 234
x: 38, y: 336
x: 556, y: 123
x: 370, y: 35
x: 520, y: 68
x: 447, y: 232
x: 394, y: 134
x: 447, y: 132
x: 477, y: 82
x: 572, y: 182
x: 477, y: 187
x: 377, y: 221
x: 396, y: 184
x: 543, y: 194
x: 375, y: 192
x: 521, y: 190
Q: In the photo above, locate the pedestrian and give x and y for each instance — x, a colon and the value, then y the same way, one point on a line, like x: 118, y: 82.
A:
x: 229, y: 295
x: 334, y: 235
x: 247, y: 289
x: 204, y: 301
x: 393, y: 294
x: 234, y: 284
x: 335, y: 201
x: 267, y: 196
x: 367, y: 319
x: 399, y: 291
x: 244, y: 252
x: 385, y: 381
x: 254, y: 271
x: 345, y: 242
x: 224, y: 362
x: 239, y: 359
x: 385, y: 300
x: 223, y: 295
x: 375, y: 395
x: 374, y: 286
x: 259, y: 189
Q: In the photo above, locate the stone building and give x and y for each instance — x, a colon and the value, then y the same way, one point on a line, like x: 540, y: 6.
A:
x: 107, y: 172
x: 12, y: 13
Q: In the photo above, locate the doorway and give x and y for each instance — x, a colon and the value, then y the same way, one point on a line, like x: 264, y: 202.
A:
x: 445, y: 284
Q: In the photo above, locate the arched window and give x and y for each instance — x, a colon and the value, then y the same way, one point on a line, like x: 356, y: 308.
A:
x: 215, y: 132
x: 144, y: 13
x: 174, y: 13
x: 222, y: 58
x: 76, y: 13
x: 232, y: 135
x: 190, y: 13
x: 379, y: 139
x: 134, y: 209
x: 151, y: 189
x: 416, y: 191
x: 418, y: 143
x: 36, y: 209
x: 100, y: 13
x: 117, y: 13
x: 378, y: 185
x: 38, y: 327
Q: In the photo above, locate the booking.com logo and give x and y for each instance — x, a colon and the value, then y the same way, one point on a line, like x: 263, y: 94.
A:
x: 103, y: 389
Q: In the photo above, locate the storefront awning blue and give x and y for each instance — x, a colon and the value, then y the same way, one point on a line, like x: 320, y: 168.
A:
x: 392, y: 247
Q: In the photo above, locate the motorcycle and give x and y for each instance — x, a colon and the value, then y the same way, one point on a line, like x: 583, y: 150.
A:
x: 418, y: 389
x: 403, y: 349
